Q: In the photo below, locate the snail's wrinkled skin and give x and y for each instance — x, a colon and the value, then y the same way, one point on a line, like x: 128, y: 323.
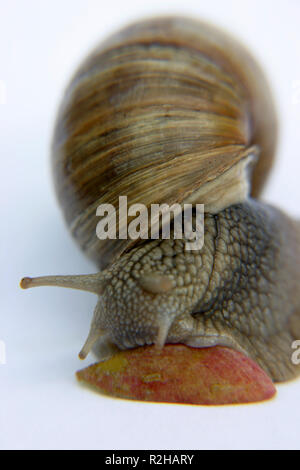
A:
x: 239, y: 290
x: 175, y: 111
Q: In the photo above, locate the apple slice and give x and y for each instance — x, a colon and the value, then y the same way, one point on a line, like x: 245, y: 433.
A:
x: 181, y: 374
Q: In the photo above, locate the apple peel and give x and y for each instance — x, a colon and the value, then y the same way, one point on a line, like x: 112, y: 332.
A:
x: 181, y: 374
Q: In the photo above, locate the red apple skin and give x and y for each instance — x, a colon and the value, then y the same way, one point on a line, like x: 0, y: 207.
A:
x: 181, y: 374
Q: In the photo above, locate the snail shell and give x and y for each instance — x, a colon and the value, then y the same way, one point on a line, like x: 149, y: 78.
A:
x: 164, y: 100
x: 174, y: 111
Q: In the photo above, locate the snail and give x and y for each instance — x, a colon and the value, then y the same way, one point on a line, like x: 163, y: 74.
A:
x: 173, y: 110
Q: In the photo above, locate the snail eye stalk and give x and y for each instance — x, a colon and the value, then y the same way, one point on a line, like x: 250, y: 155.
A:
x: 89, y: 282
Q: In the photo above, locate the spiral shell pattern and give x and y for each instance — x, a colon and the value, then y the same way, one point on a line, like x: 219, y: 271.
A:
x: 158, y: 112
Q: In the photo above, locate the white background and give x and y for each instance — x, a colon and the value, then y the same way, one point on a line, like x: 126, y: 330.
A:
x: 41, y: 404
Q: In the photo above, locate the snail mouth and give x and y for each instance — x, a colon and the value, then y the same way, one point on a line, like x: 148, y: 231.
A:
x: 136, y: 339
x: 145, y: 338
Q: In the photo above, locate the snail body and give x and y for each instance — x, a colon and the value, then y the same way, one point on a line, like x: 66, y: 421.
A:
x: 174, y: 111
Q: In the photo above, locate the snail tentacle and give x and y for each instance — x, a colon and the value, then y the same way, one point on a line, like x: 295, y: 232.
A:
x: 174, y: 111
x: 87, y: 282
